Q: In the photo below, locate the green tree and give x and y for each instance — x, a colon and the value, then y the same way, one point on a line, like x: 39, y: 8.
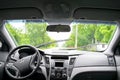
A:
x: 90, y: 34
x: 16, y: 34
x: 104, y: 32
x: 32, y: 34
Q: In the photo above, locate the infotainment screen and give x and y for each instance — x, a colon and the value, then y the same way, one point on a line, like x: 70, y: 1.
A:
x: 58, y: 64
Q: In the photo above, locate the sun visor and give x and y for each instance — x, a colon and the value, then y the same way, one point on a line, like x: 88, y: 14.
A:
x: 97, y: 14
x: 20, y: 13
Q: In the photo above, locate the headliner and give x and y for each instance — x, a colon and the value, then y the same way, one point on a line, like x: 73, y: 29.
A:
x: 59, y: 9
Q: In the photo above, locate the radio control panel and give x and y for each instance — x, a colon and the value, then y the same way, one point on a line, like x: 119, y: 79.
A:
x: 60, y: 67
x: 58, y: 73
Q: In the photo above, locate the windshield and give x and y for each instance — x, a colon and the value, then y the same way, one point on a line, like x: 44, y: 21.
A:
x: 84, y: 35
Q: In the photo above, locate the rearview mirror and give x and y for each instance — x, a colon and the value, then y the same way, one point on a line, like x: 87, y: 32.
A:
x: 58, y: 28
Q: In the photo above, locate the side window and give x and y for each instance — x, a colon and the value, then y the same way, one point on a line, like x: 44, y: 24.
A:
x: 117, y: 50
x: 3, y: 45
x: 0, y: 44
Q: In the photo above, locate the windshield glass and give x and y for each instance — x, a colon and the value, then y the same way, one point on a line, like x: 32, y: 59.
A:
x: 84, y: 35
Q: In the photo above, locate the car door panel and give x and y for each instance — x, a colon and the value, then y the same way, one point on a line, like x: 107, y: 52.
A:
x: 117, y: 58
x: 3, y: 57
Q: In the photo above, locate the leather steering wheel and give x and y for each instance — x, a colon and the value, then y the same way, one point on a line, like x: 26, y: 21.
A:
x: 25, y: 66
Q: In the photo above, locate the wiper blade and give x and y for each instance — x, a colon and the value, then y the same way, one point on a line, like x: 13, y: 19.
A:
x: 44, y: 44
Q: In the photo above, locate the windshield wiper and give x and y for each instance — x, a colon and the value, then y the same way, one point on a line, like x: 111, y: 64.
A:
x: 44, y: 44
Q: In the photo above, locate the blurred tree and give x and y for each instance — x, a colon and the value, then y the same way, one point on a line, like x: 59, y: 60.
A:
x: 32, y: 34
x: 90, y: 34
x: 35, y: 34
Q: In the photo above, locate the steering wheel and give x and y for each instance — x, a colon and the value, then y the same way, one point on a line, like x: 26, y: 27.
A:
x: 23, y: 67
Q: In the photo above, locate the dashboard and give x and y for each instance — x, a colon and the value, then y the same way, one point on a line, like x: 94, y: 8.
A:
x: 59, y: 64
x: 67, y: 64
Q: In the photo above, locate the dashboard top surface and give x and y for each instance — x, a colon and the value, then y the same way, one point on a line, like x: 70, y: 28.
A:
x: 67, y: 52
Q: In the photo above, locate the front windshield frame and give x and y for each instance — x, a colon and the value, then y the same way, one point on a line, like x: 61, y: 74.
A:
x: 79, y: 21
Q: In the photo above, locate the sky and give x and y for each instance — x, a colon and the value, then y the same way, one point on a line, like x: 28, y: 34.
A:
x: 59, y: 36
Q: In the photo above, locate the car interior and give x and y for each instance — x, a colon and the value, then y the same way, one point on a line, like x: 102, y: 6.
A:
x: 59, y: 39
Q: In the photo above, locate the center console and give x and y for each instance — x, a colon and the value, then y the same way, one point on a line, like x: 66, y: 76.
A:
x: 59, y: 67
x: 58, y: 73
